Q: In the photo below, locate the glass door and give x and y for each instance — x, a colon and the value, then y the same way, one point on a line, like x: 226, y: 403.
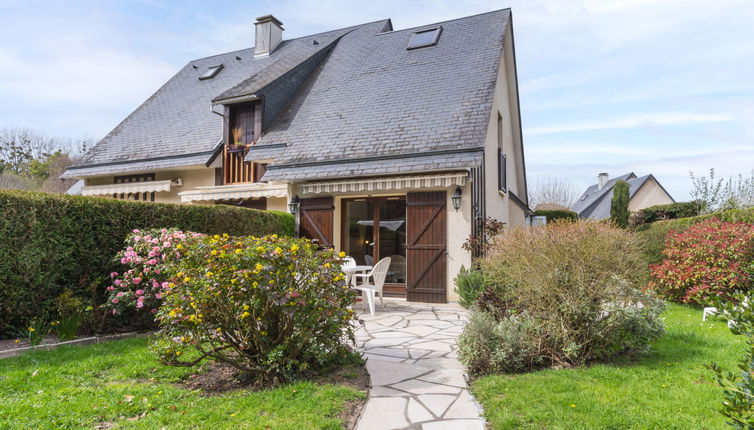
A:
x: 375, y: 228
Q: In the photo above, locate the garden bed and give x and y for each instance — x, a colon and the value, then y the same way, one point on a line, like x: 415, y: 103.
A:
x: 668, y: 389
x: 119, y: 384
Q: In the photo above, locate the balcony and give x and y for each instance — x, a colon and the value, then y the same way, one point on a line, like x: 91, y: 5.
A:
x: 235, y: 169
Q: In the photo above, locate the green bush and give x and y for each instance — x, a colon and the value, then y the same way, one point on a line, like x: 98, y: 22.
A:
x: 469, y: 283
x: 53, y: 242
x: 574, y: 288
x: 664, y: 212
x: 619, y: 212
x: 273, y: 307
x: 654, y: 234
x: 553, y: 215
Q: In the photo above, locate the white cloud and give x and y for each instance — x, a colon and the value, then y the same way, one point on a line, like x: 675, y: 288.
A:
x: 631, y: 121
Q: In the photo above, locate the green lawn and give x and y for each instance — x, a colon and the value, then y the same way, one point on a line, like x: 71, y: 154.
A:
x: 668, y: 389
x: 120, y: 384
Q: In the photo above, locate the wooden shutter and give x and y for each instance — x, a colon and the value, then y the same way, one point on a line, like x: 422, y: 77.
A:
x: 316, y: 220
x: 426, y: 247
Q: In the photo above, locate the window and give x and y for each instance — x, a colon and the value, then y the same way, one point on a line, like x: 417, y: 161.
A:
x: 134, y: 196
x: 502, y: 162
x: 211, y: 72
x: 424, y: 38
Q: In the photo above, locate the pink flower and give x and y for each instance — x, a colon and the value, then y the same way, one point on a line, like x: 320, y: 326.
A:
x: 125, y: 260
x: 152, y: 253
x: 115, y: 301
x: 136, y: 230
x: 138, y: 292
x: 164, y: 285
x: 157, y: 271
x: 166, y: 244
x: 113, y: 274
x: 110, y: 288
x: 152, y: 262
x: 158, y: 296
x: 154, y: 311
x: 139, y: 305
x: 118, y: 282
x: 136, y: 281
x: 120, y: 294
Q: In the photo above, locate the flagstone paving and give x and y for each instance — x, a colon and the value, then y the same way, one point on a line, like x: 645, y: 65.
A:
x: 417, y: 381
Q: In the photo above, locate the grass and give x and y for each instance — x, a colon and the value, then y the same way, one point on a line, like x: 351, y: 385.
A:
x: 120, y: 384
x: 667, y: 389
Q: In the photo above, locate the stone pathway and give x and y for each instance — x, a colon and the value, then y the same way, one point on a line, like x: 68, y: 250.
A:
x: 417, y: 381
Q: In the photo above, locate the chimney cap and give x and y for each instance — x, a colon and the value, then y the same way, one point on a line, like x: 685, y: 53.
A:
x: 602, y: 174
x: 270, y: 17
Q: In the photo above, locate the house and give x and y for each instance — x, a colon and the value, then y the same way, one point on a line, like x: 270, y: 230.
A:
x: 643, y: 192
x: 383, y: 142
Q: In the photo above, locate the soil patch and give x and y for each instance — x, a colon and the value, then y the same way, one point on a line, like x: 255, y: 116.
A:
x: 8, y: 344
x: 219, y: 378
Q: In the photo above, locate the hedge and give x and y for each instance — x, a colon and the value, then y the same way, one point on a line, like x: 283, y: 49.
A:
x: 665, y: 212
x: 552, y: 215
x: 53, y: 242
x: 654, y: 233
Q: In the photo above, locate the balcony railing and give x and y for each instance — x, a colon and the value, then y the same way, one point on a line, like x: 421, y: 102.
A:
x: 235, y: 169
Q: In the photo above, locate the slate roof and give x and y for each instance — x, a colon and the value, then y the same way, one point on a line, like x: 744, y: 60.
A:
x: 356, y: 103
x: 373, y: 97
x: 176, y: 121
x: 595, y: 203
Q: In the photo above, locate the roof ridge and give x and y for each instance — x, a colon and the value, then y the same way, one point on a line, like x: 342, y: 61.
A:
x: 446, y: 21
x: 351, y: 27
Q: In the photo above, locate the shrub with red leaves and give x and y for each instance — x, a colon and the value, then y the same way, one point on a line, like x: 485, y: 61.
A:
x: 708, y: 260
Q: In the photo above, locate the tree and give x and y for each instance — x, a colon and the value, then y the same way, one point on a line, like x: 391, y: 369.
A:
x: 619, y: 205
x: 715, y: 194
x: 552, y: 192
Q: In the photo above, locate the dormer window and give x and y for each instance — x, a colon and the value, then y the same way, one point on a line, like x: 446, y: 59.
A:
x: 211, y: 72
x: 423, y: 38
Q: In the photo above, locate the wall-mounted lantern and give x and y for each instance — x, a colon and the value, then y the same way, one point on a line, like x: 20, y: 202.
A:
x: 456, y: 198
x: 293, y: 205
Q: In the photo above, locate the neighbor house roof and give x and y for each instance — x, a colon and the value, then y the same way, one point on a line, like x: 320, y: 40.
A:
x: 595, y: 203
x: 349, y: 102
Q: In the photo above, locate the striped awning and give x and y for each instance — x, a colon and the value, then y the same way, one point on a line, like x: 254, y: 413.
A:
x: 387, y: 183
x: 234, y: 192
x: 126, y: 188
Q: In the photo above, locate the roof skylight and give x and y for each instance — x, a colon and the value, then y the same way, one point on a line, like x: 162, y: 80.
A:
x: 211, y: 72
x: 424, y: 38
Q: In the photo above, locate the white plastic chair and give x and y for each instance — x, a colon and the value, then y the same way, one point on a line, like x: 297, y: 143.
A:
x: 377, y: 275
x: 348, y: 261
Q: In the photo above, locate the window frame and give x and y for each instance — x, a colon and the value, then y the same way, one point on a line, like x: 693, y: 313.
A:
x: 437, y: 31
x: 211, y: 72
x: 502, y: 171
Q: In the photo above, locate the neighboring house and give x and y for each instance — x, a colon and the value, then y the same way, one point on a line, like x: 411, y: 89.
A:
x: 370, y: 135
x: 643, y: 192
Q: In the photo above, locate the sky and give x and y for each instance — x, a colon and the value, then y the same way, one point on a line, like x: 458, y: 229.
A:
x: 649, y: 86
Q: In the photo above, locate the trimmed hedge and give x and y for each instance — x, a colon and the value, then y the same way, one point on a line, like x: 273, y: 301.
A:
x: 53, y: 242
x: 654, y: 234
x: 665, y: 212
x: 552, y: 215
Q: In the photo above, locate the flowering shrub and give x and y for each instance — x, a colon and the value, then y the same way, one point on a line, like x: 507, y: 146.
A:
x: 148, y: 255
x: 273, y: 307
x: 707, y: 260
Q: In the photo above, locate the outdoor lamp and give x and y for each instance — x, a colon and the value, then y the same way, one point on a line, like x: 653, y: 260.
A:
x: 456, y: 197
x: 293, y: 205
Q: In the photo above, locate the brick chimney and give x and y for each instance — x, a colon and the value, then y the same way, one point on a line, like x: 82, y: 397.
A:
x: 602, y: 179
x: 268, y: 35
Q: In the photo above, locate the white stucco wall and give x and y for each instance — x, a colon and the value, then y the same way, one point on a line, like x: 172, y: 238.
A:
x: 650, y: 194
x: 504, y: 104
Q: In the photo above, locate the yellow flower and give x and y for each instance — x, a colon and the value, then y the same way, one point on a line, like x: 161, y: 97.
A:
x: 179, y: 246
x: 244, y: 315
x: 172, y: 313
x: 341, y: 254
x: 214, y: 252
x: 31, y: 329
x: 572, y: 405
x: 246, y: 307
x: 294, y: 248
x: 18, y: 340
x: 278, y: 250
x: 186, y: 279
x: 258, y: 267
x: 260, y: 249
x: 238, y: 251
x: 209, y: 274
